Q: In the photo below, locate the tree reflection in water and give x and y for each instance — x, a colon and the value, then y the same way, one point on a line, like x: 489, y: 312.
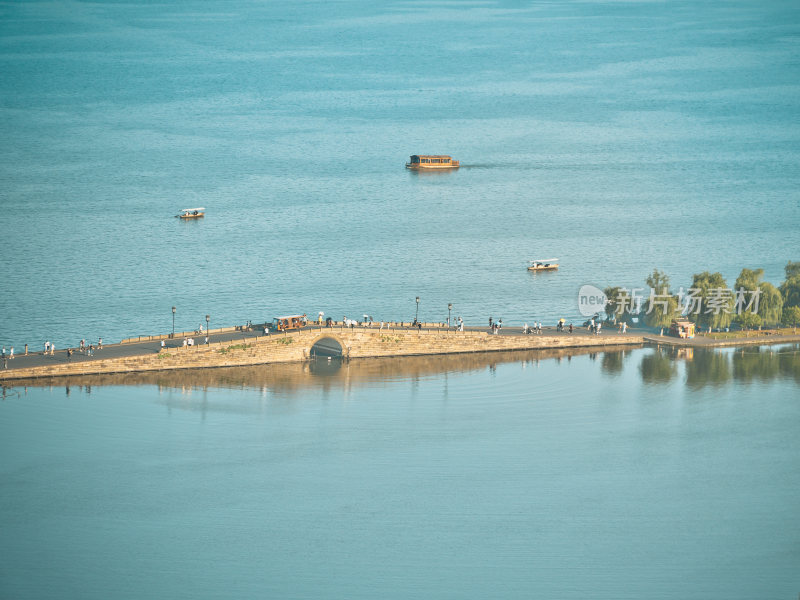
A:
x: 613, y: 362
x: 716, y: 367
x: 707, y: 367
x: 658, y: 367
x: 755, y: 363
x: 789, y: 363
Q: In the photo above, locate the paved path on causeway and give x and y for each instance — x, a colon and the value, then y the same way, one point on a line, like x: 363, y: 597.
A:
x: 37, y: 359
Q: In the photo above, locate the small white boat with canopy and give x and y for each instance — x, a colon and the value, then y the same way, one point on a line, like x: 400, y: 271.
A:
x: 545, y: 264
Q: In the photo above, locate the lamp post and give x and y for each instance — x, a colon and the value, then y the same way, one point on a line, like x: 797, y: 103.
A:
x: 208, y: 318
x: 416, y: 318
x: 449, y: 308
x: 173, y: 322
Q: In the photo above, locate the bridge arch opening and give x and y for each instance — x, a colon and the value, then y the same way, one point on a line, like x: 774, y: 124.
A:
x: 326, y: 347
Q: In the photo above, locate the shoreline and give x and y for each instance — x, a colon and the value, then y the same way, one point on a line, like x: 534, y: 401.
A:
x: 762, y: 339
x: 296, y: 374
x: 240, y: 347
x: 249, y: 348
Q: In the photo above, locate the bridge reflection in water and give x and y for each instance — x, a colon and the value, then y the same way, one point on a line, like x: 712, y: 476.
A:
x: 286, y: 378
x: 697, y: 367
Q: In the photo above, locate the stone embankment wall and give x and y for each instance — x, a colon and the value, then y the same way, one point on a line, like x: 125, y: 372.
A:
x: 296, y: 346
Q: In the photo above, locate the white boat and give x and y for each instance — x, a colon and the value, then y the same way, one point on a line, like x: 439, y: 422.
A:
x: 191, y: 213
x: 546, y: 264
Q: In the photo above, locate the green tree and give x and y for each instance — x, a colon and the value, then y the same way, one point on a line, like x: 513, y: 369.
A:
x: 661, y: 307
x: 709, y: 302
x: 770, y: 304
x: 791, y: 316
x: 620, y: 303
x: 792, y: 269
x: 613, y: 307
x: 747, y: 284
x: 767, y: 304
x: 748, y: 320
x: 790, y: 290
x: 749, y: 279
x: 658, y: 281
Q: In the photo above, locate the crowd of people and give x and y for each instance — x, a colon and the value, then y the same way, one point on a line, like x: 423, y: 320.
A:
x: 49, y: 349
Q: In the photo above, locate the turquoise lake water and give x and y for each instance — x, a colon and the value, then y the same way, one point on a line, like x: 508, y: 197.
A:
x: 642, y: 474
x: 617, y: 136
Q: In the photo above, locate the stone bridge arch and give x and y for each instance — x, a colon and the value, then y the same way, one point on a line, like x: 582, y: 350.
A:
x: 328, y: 344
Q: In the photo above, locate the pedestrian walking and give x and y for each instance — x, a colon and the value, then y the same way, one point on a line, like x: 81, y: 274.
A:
x: 91, y: 350
x: 490, y: 324
x: 570, y: 327
x: 100, y: 344
x: 52, y: 349
x: 69, y: 354
x: 26, y: 349
x: 163, y: 344
x: 12, y: 353
x: 624, y: 327
x: 597, y: 331
x: 46, y: 347
x: 83, y: 346
x: 3, y: 353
